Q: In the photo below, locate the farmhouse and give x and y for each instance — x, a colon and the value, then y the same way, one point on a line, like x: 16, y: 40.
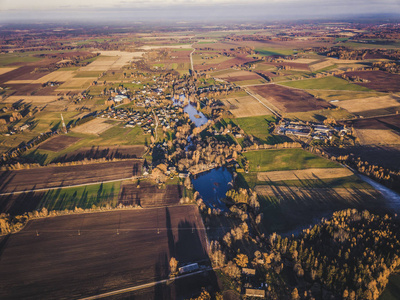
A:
x: 119, y: 98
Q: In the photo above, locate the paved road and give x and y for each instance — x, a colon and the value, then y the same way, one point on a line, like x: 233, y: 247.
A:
x: 143, y: 286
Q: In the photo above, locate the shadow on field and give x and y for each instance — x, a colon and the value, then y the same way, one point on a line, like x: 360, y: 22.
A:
x: 286, y: 206
x: 185, y: 243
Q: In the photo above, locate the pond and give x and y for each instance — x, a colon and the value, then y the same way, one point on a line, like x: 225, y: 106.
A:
x: 197, y: 117
x: 212, y: 186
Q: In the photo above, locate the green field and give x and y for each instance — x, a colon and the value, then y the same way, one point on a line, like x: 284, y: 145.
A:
x: 84, y: 74
x: 81, y: 197
x: 273, y: 51
x: 250, y: 82
x: 9, y: 58
x: 343, y: 95
x: 327, y: 83
x: 285, y: 159
x: 260, y: 128
x: 114, y: 136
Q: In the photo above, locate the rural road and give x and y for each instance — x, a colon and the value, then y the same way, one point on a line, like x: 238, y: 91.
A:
x: 143, y: 286
x: 191, y: 58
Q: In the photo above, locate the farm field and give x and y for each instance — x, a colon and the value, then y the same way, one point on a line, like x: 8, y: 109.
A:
x: 321, y: 115
x: 245, y: 106
x: 111, y: 138
x: 385, y: 156
x: 110, y: 152
x: 327, y: 83
x: 315, y: 66
x: 289, y: 100
x: 35, y: 100
x: 259, y: 127
x: 379, y: 130
x: 84, y: 197
x: 285, y: 159
x: 320, y: 173
x: 377, y: 136
x: 96, y: 126
x: 378, y: 104
x: 289, y: 209
x: 102, y: 63
x: 58, y: 143
x: 98, y: 259
x: 60, y: 76
x: 149, y: 195
x: 50, y: 177
x: 378, y: 80
x: 76, y: 84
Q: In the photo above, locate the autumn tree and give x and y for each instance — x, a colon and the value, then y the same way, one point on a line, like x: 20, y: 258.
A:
x: 173, y: 265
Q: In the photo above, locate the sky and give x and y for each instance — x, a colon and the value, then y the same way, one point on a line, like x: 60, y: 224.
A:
x: 188, y: 10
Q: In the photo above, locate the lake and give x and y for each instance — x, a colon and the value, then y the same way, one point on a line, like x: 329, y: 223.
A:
x: 212, y: 186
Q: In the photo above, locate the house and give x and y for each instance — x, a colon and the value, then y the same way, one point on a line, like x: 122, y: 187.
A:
x: 119, y: 98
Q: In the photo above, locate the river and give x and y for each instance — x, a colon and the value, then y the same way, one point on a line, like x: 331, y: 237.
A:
x: 197, y: 117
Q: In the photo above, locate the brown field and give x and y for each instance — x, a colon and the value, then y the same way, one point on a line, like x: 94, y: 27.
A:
x: 369, y: 104
x: 379, y: 80
x: 322, y: 173
x: 98, y: 152
x: 302, y: 60
x: 387, y: 157
x: 240, y: 76
x: 50, y: 177
x: 380, y: 130
x: 149, y: 195
x: 6, y: 70
x: 62, y: 264
x: 320, y: 65
x: 20, y: 82
x: 76, y: 83
x: 245, y: 106
x: 31, y: 99
x: 26, y: 71
x: 289, y: 100
x: 24, y: 89
x: 388, y: 122
x: 102, y: 63
x: 292, y: 65
x: 96, y: 126
x: 18, y: 204
x: 377, y: 136
x: 59, y: 76
x: 239, y: 60
x: 59, y: 143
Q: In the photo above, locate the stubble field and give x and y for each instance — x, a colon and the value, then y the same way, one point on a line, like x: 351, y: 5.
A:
x: 88, y: 254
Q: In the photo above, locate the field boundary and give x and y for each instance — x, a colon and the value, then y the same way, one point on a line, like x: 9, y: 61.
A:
x: 69, y: 186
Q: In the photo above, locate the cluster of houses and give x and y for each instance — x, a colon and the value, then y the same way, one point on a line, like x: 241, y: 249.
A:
x: 168, y: 117
x: 306, y: 130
